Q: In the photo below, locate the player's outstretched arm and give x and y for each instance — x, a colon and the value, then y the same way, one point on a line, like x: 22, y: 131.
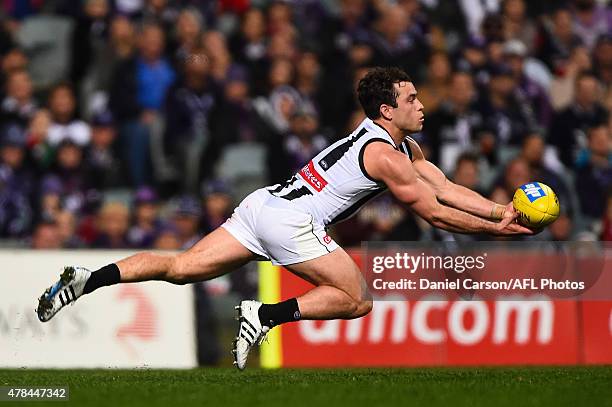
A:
x: 455, y: 195
x: 459, y: 196
x: 384, y: 163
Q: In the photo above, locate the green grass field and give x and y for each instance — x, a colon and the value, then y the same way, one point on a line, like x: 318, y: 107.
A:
x: 551, y: 386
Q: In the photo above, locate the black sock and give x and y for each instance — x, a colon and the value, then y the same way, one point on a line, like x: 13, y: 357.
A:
x: 271, y: 315
x: 107, y: 275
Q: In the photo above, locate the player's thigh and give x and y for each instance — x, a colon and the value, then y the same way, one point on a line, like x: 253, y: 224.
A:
x: 335, y: 269
x: 216, y: 254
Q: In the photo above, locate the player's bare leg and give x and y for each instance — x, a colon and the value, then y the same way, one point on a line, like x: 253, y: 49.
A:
x: 216, y: 254
x: 340, y: 292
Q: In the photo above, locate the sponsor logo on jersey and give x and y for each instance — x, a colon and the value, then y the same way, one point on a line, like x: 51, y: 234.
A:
x: 310, y: 175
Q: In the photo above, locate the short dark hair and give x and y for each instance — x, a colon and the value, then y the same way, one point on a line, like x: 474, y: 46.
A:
x: 467, y: 157
x: 376, y: 88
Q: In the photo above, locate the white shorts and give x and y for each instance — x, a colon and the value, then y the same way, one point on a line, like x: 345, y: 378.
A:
x: 273, y: 228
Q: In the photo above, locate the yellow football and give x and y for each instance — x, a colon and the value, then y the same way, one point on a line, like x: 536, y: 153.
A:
x: 537, y: 205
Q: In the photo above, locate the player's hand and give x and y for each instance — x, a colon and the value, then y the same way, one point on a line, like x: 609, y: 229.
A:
x: 509, y: 211
x: 508, y: 225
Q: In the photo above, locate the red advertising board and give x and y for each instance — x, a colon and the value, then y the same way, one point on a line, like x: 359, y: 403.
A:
x: 441, y: 332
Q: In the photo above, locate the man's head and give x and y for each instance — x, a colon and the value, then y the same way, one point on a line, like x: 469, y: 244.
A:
x: 19, y: 85
x: 69, y: 155
x: 600, y: 142
x: 502, y: 82
x: 102, y: 130
x: 114, y: 219
x: 516, y: 174
x: 388, y: 94
x: 462, y: 90
x: 587, y: 90
x: 151, y: 41
x: 533, y: 149
x: 12, y: 146
x: 46, y: 236
x: 466, y: 171
x: 62, y: 103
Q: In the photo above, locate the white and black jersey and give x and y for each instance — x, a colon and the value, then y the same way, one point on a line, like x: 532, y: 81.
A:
x: 335, y: 184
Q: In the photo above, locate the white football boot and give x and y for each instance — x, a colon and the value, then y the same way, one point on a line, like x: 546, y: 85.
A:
x: 250, y: 331
x: 65, y: 291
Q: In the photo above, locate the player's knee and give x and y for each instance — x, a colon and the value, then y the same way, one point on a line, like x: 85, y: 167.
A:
x: 363, y: 307
x: 363, y: 303
x: 366, y: 307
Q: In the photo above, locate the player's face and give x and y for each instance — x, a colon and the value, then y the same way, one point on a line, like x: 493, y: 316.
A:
x: 408, y: 115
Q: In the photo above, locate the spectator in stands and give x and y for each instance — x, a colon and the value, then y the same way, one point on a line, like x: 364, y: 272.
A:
x: 591, y: 20
x: 89, y: 38
x: 602, y: 65
x: 282, y: 99
x: 533, y: 152
x: 137, y: 94
x: 503, y: 110
x: 394, y: 45
x: 304, y: 141
x: 112, y: 224
x: 16, y: 184
x: 187, y: 111
x: 46, y: 236
x: 557, y: 40
x: 308, y: 80
x: 161, y: 12
x: 50, y: 197
x: 377, y: 220
x: 188, y: 30
x: 516, y: 173
x: 71, y: 172
x: 217, y: 204
x: 563, y: 83
x: 602, y: 59
x: 236, y: 120
x: 594, y: 172
x: 517, y: 25
x: 436, y: 89
x: 146, y: 223
x: 472, y: 59
x: 466, y: 172
x: 280, y: 19
x: 248, y: 46
x: 453, y: 127
x: 104, y: 168
x: 14, y: 60
x: 167, y: 239
x: 218, y: 55
x: 66, y: 224
x: 19, y: 105
x: 65, y: 122
x: 568, y: 129
x: 186, y: 221
x: 528, y: 91
x: 120, y: 47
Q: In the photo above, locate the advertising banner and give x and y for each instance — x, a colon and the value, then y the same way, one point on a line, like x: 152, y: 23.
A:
x: 125, y: 326
x: 441, y: 328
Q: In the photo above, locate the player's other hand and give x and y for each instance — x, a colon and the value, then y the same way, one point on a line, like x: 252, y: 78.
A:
x: 509, y: 211
x: 508, y: 225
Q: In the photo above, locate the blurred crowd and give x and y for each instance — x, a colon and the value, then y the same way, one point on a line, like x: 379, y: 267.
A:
x: 141, y: 123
